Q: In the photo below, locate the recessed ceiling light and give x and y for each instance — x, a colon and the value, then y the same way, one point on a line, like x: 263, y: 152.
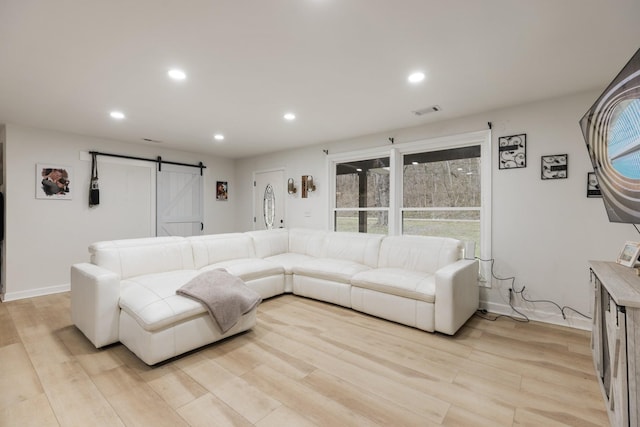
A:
x: 176, y: 74
x: 218, y: 137
x: 358, y: 170
x: 415, y: 163
x: 117, y: 115
x: 289, y: 116
x: 416, y: 77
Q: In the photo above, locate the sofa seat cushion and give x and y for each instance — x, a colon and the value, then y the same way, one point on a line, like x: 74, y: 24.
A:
x: 289, y: 260
x: 338, y: 270
x: 247, y: 268
x: 399, y: 282
x: 152, y: 300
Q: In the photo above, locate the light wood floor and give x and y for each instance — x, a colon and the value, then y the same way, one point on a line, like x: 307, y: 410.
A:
x: 306, y: 363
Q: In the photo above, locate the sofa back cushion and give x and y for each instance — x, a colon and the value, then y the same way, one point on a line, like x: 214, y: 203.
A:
x: 357, y: 247
x: 307, y: 242
x: 268, y: 243
x: 419, y: 253
x: 135, y: 257
x: 214, y: 248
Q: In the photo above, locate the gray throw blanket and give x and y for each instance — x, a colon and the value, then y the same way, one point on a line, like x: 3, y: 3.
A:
x: 225, y: 296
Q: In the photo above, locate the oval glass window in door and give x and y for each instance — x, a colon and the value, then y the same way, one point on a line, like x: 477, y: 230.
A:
x: 269, y: 206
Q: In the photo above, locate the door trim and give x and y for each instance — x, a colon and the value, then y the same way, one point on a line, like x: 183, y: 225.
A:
x: 253, y: 185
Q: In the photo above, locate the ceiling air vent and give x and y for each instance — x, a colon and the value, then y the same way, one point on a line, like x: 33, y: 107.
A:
x: 427, y: 110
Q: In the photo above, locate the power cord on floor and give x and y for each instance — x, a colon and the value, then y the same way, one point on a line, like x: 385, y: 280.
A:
x: 562, y: 309
x: 482, y: 313
x: 512, y: 291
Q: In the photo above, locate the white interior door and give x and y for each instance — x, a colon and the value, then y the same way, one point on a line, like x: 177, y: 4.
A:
x: 179, y: 201
x: 127, y: 206
x: 275, y: 181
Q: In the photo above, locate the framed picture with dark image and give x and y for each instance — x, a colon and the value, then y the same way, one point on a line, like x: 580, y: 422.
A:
x: 222, y: 190
x: 53, y: 182
x: 593, y: 188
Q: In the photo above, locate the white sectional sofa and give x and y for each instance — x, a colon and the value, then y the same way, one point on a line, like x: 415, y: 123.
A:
x: 127, y: 292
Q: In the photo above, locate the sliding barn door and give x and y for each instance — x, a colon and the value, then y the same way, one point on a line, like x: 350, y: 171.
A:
x: 179, y: 201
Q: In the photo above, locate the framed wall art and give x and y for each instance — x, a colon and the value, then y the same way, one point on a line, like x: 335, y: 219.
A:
x: 512, y: 151
x: 593, y: 188
x: 555, y: 166
x: 222, y: 190
x: 53, y: 182
x: 629, y: 254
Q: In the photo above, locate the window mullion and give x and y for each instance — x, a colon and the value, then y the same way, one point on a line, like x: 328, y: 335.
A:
x: 395, y: 192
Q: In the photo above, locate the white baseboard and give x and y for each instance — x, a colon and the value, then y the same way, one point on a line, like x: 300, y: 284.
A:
x: 573, y: 320
x: 13, y: 296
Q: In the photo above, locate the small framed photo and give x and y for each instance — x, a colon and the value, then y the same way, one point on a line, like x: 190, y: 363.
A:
x: 629, y: 254
x: 555, y: 166
x: 222, y: 190
x: 53, y: 182
x: 512, y: 151
x: 593, y: 188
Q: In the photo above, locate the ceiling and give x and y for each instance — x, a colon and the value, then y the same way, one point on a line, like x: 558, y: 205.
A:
x: 340, y: 65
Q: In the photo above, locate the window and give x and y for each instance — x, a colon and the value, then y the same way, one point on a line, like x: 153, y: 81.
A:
x: 441, y: 193
x: 362, y: 196
x: 437, y: 187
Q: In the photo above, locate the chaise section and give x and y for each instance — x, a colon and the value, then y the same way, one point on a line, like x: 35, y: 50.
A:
x: 157, y: 324
x: 128, y: 294
x: 95, y: 287
x: 156, y: 346
x: 152, y: 300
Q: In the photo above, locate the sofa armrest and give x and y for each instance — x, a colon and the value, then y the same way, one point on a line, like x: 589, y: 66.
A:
x: 95, y: 293
x: 457, y: 295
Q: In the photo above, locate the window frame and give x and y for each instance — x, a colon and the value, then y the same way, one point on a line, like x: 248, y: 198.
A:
x: 395, y: 152
x: 444, y: 145
x: 334, y: 159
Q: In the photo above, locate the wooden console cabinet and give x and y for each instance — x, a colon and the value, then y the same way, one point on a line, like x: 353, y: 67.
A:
x: 615, y: 339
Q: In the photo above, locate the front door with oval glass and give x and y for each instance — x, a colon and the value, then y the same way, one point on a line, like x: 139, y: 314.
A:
x: 268, y: 197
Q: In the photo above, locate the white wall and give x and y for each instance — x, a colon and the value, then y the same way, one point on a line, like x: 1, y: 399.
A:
x: 305, y: 213
x: 543, y: 231
x: 44, y: 237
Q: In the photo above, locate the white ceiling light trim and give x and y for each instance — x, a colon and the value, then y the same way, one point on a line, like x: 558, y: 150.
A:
x: 177, y: 74
x: 416, y: 77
